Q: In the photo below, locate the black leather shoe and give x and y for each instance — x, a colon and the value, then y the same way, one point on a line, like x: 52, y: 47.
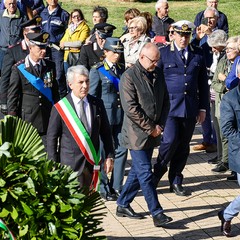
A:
x: 232, y: 177
x: 109, y: 196
x: 213, y: 161
x: 128, y: 212
x: 117, y: 192
x: 225, y: 225
x: 161, y: 219
x: 178, y: 190
x: 220, y: 168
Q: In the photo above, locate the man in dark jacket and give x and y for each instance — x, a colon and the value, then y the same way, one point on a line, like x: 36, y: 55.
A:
x: 186, y: 78
x: 145, y: 104
x: 14, y: 54
x: 76, y: 125
x: 161, y: 20
x: 10, y: 21
x: 230, y: 125
x: 222, y: 21
x: 33, y: 89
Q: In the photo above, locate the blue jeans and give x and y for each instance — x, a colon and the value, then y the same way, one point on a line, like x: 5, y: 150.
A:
x: 140, y: 175
x: 233, y: 208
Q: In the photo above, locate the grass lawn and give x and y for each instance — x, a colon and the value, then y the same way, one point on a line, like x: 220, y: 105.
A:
x: 179, y: 10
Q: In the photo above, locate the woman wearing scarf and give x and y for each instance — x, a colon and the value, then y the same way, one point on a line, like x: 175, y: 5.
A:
x: 74, y: 37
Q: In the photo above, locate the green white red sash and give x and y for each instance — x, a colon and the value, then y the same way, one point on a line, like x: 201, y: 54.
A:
x: 6, y: 229
x: 81, y: 137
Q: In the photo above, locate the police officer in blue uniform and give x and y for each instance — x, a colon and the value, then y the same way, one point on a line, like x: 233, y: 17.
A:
x: 55, y: 22
x: 104, y: 83
x: 186, y: 78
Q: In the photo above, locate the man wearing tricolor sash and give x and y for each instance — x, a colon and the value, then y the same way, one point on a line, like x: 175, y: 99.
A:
x: 33, y: 88
x: 76, y: 125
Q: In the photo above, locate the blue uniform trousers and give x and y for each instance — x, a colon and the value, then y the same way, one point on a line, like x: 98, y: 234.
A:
x: 120, y: 159
x: 174, y: 147
x: 140, y: 176
x: 57, y: 57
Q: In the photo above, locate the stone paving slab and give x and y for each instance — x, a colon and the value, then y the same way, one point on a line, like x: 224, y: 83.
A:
x: 194, y: 216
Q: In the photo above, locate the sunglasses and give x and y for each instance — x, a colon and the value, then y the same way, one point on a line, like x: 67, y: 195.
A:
x: 76, y: 16
x: 172, y: 32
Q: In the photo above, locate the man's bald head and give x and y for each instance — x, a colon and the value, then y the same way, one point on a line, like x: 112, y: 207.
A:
x: 149, y: 56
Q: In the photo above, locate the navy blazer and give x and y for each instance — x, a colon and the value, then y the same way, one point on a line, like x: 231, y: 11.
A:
x: 187, y: 84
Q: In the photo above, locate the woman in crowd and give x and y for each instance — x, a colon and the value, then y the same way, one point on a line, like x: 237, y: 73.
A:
x: 218, y: 84
x: 74, y: 37
x: 134, y: 42
x: 148, y: 17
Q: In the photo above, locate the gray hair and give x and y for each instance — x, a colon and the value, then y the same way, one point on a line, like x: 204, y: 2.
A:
x: 79, y: 69
x: 212, y: 9
x: 158, y: 3
x: 140, y: 22
x: 217, y: 38
x: 235, y: 41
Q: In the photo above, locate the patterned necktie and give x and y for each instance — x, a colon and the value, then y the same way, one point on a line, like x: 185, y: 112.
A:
x: 114, y: 69
x: 83, y: 116
x: 38, y: 68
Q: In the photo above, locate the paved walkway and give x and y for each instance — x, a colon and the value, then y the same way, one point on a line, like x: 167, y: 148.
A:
x: 194, y: 217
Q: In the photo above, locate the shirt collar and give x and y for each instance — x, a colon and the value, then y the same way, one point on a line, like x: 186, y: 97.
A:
x: 179, y: 49
x: 76, y: 99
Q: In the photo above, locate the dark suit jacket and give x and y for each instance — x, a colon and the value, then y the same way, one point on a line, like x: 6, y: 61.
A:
x: 187, y: 83
x: 89, y: 56
x: 68, y: 152
x: 25, y: 101
x: 145, y: 103
x: 13, y: 55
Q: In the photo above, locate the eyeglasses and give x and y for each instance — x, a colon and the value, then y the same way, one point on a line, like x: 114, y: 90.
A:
x: 152, y: 61
x: 172, y: 32
x: 133, y: 28
x: 76, y: 16
x: 230, y: 49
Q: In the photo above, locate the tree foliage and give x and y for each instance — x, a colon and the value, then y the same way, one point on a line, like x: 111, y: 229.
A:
x: 41, y: 199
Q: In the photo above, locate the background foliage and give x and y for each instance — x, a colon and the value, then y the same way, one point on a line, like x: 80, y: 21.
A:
x: 179, y: 10
x: 41, y: 199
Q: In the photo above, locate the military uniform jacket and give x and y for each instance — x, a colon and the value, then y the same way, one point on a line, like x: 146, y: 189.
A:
x: 102, y: 87
x: 13, y: 55
x: 145, y: 103
x: 187, y: 83
x: 90, y: 55
x: 25, y: 101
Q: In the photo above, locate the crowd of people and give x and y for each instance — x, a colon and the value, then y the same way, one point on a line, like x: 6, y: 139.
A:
x: 94, y: 97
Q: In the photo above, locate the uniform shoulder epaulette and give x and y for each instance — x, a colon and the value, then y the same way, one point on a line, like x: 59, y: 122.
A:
x: 11, y: 46
x: 98, y: 65
x: 19, y: 62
